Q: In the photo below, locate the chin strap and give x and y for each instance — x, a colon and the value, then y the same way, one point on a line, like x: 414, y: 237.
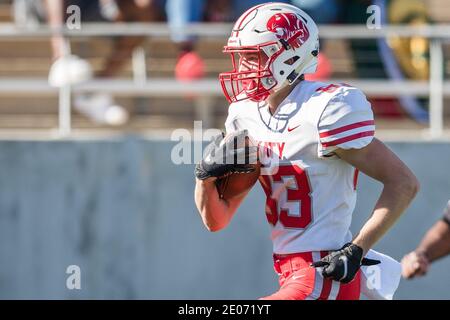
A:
x: 292, y: 77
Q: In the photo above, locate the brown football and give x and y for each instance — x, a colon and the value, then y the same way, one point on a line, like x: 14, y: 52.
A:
x: 237, y: 184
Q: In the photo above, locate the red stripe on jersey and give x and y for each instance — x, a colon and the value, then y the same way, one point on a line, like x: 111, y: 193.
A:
x: 346, y: 128
x: 348, y: 138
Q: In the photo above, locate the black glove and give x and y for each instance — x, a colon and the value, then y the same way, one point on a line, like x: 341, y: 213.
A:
x: 226, y: 156
x: 343, y: 264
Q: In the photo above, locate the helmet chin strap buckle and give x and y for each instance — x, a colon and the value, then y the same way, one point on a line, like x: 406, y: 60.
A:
x: 292, y: 77
x: 285, y: 44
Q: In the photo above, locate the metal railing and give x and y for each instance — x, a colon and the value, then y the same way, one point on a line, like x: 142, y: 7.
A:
x: 435, y: 88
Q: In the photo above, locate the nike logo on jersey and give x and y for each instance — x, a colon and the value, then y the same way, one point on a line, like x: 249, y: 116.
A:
x: 298, y: 277
x: 290, y: 129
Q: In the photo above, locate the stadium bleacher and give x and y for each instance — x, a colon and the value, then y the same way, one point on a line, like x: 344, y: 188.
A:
x: 30, y: 58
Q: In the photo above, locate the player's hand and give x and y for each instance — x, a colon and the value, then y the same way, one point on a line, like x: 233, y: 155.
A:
x: 414, y: 264
x: 343, y: 264
x: 227, y: 155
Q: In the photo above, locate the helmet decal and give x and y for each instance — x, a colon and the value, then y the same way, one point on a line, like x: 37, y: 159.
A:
x: 289, y: 27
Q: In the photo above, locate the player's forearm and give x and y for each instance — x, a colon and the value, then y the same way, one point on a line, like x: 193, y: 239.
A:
x: 436, y: 242
x: 214, y: 211
x: 393, y: 201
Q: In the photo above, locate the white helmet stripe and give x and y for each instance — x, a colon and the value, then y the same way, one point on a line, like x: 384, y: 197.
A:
x: 241, y: 19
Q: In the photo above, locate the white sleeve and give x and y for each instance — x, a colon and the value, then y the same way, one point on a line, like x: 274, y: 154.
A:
x: 347, y: 122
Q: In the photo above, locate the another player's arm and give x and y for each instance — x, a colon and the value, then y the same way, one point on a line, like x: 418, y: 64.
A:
x: 434, y: 245
x: 436, y: 242
x: 215, y: 212
x: 399, y: 188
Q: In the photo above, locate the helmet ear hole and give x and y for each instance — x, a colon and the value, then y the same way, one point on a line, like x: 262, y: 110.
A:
x: 291, y: 61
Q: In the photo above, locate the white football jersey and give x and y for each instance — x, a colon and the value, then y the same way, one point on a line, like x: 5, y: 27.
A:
x: 311, y: 193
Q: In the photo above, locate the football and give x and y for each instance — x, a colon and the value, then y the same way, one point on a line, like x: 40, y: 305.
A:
x: 237, y: 184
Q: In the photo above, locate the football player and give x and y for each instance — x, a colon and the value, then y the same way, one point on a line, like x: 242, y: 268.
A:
x: 322, y: 135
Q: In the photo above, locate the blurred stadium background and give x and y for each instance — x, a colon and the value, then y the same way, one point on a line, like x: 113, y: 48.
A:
x: 78, y: 188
